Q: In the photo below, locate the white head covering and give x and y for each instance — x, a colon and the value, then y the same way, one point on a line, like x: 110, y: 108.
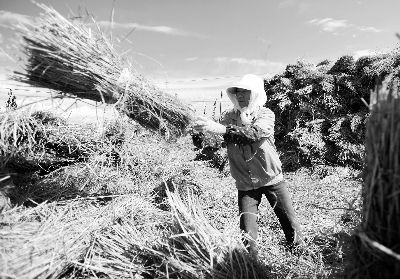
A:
x: 257, y: 96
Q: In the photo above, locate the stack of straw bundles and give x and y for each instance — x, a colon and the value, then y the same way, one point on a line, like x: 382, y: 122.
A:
x: 380, y: 236
x: 74, y: 58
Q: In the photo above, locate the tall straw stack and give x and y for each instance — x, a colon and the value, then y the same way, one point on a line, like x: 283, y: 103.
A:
x: 78, y: 58
x: 379, y: 246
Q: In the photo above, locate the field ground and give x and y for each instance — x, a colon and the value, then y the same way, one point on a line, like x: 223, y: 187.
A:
x: 61, y: 212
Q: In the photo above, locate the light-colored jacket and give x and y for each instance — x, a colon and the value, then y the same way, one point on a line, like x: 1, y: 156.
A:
x: 257, y: 164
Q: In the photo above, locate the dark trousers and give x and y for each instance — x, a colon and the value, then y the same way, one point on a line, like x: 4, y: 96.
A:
x: 279, y: 198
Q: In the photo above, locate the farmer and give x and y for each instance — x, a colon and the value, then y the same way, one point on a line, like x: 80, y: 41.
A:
x: 248, y: 130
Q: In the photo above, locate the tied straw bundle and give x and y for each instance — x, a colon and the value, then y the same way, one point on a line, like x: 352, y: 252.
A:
x: 188, y: 248
x: 72, y: 57
x: 379, y: 246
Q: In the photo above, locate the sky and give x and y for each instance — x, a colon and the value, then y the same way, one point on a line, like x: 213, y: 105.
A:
x: 203, y: 45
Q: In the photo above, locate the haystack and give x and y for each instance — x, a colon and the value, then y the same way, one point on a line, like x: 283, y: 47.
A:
x: 18, y: 133
x: 379, y: 246
x: 78, y: 58
x: 321, y: 109
x: 190, y: 248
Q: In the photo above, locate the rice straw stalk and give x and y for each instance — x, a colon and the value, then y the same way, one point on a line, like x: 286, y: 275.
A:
x: 77, y: 58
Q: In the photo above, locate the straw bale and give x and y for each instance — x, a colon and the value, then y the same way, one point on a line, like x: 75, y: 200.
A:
x: 196, y: 249
x: 54, y: 240
x: 19, y: 133
x: 79, y: 59
x: 379, y: 238
x: 339, y: 94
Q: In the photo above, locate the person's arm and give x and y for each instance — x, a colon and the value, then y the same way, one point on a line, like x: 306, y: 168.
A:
x: 263, y: 127
x: 201, y: 126
x: 242, y: 135
x: 204, y: 124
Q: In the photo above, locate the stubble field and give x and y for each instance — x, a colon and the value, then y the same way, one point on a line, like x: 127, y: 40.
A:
x: 104, y: 211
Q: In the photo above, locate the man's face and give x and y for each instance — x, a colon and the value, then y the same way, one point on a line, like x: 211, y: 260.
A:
x: 243, y: 97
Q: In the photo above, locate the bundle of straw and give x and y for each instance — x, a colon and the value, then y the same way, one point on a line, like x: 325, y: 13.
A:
x: 52, y: 240
x: 19, y: 132
x: 73, y: 57
x: 187, y: 247
x: 380, y: 231
x: 198, y: 250
x: 42, y: 242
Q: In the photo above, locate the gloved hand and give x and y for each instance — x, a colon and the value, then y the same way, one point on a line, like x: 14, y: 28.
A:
x: 203, y: 124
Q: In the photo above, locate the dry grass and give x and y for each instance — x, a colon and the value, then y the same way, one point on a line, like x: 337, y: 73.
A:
x: 19, y: 132
x: 183, y: 245
x: 48, y: 240
x: 95, y: 216
x: 125, y: 237
x: 379, y: 250
x: 107, y: 201
x: 128, y: 236
x: 50, y: 160
x: 197, y: 250
x: 78, y: 58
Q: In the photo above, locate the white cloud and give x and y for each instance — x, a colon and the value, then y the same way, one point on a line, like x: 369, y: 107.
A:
x: 331, y: 25
x: 362, y: 52
x: 369, y: 29
x: 158, y: 29
x: 190, y: 59
x: 368, y: 52
x: 238, y: 65
x: 244, y: 61
x: 9, y: 18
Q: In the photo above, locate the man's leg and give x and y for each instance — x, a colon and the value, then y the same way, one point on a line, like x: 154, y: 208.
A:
x: 279, y: 198
x: 248, y: 202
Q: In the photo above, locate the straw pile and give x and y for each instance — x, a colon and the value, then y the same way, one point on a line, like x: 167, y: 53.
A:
x: 38, y: 142
x: 18, y: 133
x: 194, y: 248
x: 321, y: 109
x: 77, y: 58
x: 197, y: 250
x: 379, y: 247
x: 184, y: 246
x: 52, y: 240
x: 128, y: 237
x: 41, y: 242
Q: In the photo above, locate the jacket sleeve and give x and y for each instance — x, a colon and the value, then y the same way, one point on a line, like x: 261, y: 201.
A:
x: 263, y: 127
x: 224, y: 119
